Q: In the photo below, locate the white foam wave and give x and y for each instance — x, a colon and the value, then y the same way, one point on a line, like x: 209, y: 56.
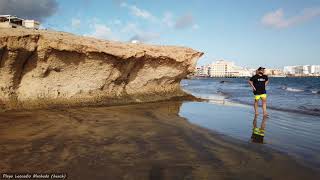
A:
x: 294, y: 89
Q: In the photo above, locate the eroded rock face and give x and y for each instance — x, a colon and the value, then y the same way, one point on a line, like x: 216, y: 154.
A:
x: 47, y: 69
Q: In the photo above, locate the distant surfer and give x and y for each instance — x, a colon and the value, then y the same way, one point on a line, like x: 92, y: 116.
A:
x: 258, y: 82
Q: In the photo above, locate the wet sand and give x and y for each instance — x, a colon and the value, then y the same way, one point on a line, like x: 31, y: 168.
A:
x: 290, y: 133
x: 142, y: 141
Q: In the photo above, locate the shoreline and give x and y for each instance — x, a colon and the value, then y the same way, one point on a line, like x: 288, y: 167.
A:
x: 239, y: 128
x: 185, y: 97
x: 138, y: 141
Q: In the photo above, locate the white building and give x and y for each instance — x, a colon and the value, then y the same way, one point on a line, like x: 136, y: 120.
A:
x: 298, y: 70
x: 31, y: 24
x: 202, y: 70
x: 9, y: 21
x: 289, y: 69
x: 274, y: 72
x: 306, y: 69
x: 240, y: 72
x: 302, y: 70
x: 252, y: 71
x: 315, y: 69
x: 222, y: 68
x: 292, y: 70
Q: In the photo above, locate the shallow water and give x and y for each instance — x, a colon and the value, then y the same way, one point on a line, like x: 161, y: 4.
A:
x: 296, y: 135
x: 142, y: 141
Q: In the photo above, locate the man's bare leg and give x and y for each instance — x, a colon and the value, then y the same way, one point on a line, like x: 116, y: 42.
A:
x: 263, y: 125
x: 256, y: 107
x: 254, y: 122
x: 264, y: 106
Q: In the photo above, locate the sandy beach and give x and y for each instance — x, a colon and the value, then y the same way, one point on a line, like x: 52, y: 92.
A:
x: 142, y: 141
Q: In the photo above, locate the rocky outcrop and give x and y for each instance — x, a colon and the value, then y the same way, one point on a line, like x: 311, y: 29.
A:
x: 49, y: 69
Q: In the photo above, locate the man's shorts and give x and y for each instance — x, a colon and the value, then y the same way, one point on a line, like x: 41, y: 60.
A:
x: 260, y: 96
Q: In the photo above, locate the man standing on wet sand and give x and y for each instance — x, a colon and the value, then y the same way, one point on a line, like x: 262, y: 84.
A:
x: 258, y: 83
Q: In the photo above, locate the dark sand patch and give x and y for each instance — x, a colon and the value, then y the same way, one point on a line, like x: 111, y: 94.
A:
x: 142, y: 141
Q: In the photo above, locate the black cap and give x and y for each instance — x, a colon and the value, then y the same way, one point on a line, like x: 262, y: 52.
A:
x: 261, y: 68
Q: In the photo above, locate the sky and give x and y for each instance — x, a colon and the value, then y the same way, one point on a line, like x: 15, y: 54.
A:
x: 252, y: 33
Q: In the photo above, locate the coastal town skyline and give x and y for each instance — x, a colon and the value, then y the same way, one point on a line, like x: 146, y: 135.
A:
x: 227, y: 68
x: 254, y: 33
x: 252, y: 67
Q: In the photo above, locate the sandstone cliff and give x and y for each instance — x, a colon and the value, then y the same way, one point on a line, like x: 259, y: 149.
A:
x: 54, y: 69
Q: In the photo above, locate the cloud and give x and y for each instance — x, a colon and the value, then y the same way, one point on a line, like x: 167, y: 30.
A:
x: 101, y: 31
x: 141, y: 13
x: 167, y: 19
x: 139, y: 35
x: 75, y: 23
x: 29, y: 9
x: 277, y: 18
x: 185, y: 21
x: 138, y: 12
x: 145, y: 36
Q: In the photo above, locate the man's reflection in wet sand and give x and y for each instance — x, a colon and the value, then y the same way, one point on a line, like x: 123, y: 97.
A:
x: 258, y: 133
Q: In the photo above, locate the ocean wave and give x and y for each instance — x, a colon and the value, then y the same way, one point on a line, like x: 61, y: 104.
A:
x: 307, y: 111
x: 310, y: 109
x: 224, y: 94
x: 315, y: 111
x: 290, y: 89
x: 301, y: 90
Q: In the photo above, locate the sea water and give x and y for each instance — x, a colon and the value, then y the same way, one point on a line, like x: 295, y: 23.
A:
x: 299, y: 95
x: 294, y: 107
